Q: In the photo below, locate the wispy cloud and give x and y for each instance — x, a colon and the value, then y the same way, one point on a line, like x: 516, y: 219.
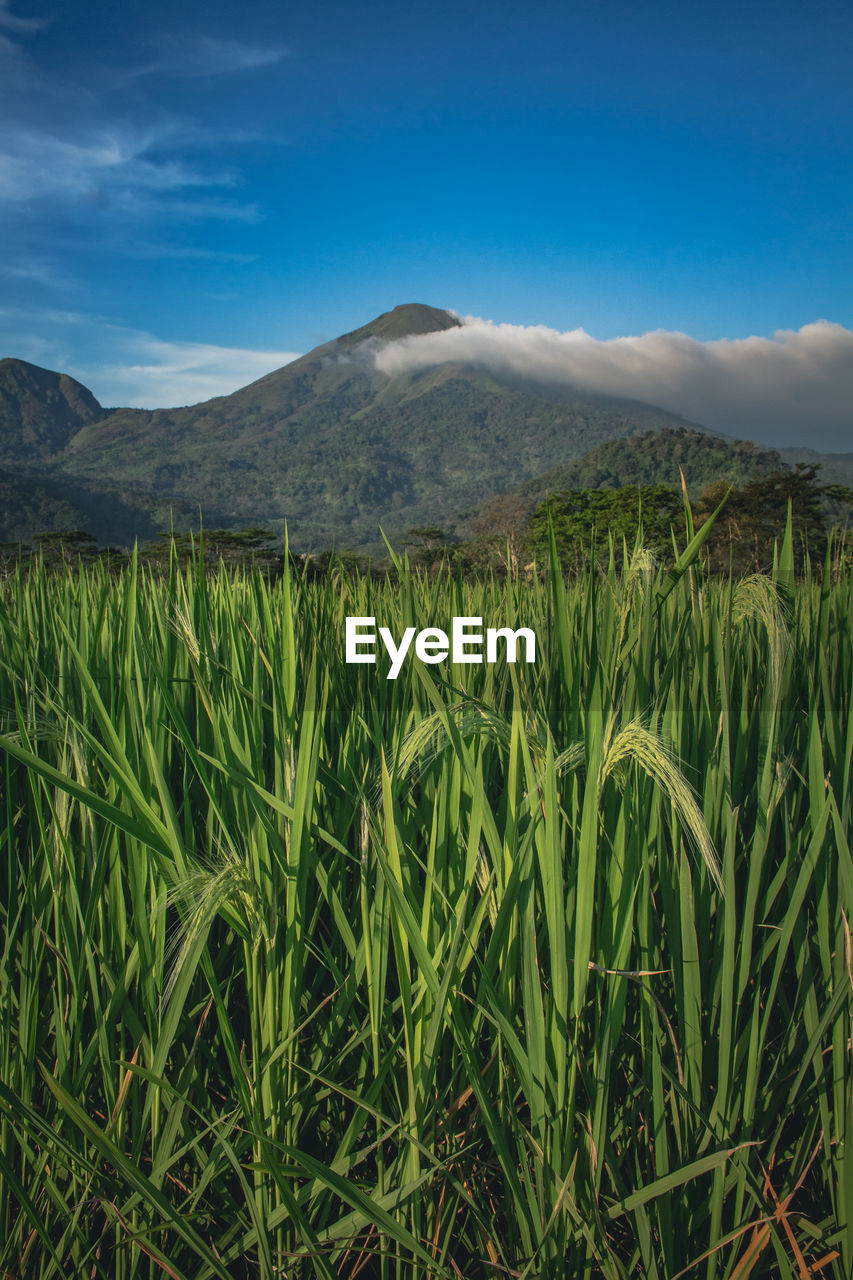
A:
x: 795, y: 388
x: 126, y: 366
x: 192, y: 253
x: 167, y: 374
x: 60, y: 142
x: 21, y: 26
x: 207, y: 56
x: 35, y: 164
x: 38, y: 272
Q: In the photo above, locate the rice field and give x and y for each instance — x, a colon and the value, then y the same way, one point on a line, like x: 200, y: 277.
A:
x: 531, y: 971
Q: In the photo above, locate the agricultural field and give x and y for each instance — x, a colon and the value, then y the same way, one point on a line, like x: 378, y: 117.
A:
x: 513, y: 970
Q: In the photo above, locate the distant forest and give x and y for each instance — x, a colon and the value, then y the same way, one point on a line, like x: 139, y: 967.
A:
x: 512, y: 532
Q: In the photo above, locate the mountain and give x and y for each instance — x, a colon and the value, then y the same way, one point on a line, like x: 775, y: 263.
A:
x: 27, y: 508
x: 328, y: 443
x: 654, y: 457
x: 50, y: 501
x: 337, y: 448
x: 836, y: 468
x: 40, y: 411
x: 661, y: 458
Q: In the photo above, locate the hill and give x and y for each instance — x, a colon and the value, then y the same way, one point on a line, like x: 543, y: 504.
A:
x: 28, y: 507
x: 660, y: 458
x: 337, y: 448
x: 53, y: 502
x: 654, y: 457
x: 836, y: 468
x: 333, y: 446
x: 40, y: 411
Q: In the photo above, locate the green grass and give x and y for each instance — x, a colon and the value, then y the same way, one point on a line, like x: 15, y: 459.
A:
x: 536, y: 971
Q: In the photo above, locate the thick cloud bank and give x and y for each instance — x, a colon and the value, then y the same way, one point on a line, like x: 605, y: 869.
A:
x: 795, y: 388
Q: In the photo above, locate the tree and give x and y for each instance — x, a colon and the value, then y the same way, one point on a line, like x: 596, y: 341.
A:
x: 584, y: 520
x: 756, y: 514
x: 237, y: 548
x: 69, y: 547
x: 429, y: 546
x: 501, y: 527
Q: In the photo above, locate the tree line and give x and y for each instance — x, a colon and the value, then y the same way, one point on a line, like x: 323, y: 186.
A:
x: 511, y: 532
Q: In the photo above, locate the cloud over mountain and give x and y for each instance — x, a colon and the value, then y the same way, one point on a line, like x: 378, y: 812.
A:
x: 794, y: 388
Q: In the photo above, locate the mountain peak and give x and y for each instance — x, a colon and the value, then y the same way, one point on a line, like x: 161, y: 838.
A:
x: 22, y: 374
x: 40, y: 410
x: 403, y: 322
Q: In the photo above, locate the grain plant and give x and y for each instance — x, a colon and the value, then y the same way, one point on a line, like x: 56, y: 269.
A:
x: 490, y: 970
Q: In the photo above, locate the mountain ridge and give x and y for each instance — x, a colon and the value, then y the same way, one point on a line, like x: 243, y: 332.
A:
x: 327, y: 444
x: 40, y: 410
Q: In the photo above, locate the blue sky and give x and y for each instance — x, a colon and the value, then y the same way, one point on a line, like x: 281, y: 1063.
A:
x: 190, y: 195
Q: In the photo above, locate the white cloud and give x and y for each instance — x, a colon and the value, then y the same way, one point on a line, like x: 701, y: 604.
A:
x: 207, y: 56
x: 795, y: 388
x: 129, y: 367
x: 60, y: 143
x: 169, y: 374
x: 22, y: 26
x: 35, y: 164
x: 38, y: 272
